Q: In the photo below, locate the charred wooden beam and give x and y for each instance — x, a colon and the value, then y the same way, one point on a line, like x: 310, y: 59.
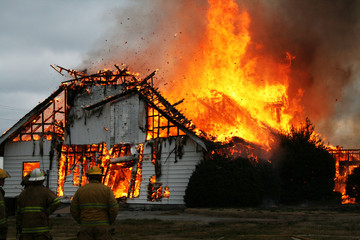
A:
x: 124, y: 159
x: 58, y: 70
x: 177, y: 103
x: 149, y: 76
x: 109, y: 99
x: 29, y: 117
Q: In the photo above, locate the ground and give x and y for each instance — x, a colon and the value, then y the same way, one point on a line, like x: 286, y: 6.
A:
x: 342, y: 222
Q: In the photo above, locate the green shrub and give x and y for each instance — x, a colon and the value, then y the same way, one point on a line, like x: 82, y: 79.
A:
x: 221, y: 182
x: 306, y: 169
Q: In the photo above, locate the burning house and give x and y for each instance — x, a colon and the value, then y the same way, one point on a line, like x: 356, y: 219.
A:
x: 255, y: 74
x: 146, y: 148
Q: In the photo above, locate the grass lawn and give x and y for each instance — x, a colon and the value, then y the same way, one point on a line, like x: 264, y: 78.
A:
x: 341, y: 222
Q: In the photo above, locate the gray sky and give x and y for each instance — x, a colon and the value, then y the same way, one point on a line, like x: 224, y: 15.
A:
x: 35, y: 34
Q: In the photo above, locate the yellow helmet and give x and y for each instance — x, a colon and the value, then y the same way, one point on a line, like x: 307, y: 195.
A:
x: 4, y: 174
x: 94, y: 170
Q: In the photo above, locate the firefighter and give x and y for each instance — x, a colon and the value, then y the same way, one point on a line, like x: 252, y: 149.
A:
x: 34, y: 205
x: 94, y: 207
x: 3, y: 223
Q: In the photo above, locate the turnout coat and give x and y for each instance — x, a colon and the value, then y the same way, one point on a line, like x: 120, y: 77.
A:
x: 34, y: 206
x: 94, y: 204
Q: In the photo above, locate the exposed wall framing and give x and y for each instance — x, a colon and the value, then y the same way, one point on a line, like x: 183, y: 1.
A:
x: 49, y: 121
x: 345, y: 161
x: 76, y: 159
x: 159, y: 126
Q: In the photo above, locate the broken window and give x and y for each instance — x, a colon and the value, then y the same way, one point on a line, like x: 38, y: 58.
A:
x: 28, y: 167
x: 159, y: 126
x: 156, y: 191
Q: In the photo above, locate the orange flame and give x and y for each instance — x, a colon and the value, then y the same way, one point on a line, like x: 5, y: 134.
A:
x: 231, y: 90
x: 137, y: 184
x: 118, y: 176
x: 61, y: 174
x: 167, y: 192
x: 346, y: 160
x: 29, y: 166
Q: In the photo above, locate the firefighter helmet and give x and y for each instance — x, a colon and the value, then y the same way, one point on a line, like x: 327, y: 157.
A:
x: 4, y: 174
x: 94, y: 170
x: 36, y: 175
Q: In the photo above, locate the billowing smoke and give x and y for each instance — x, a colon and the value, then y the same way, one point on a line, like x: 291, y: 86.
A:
x: 322, y: 35
x: 151, y: 35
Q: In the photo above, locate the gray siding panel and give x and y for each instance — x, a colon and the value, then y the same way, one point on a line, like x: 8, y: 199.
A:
x: 18, y: 152
x: 174, y: 175
x: 69, y: 188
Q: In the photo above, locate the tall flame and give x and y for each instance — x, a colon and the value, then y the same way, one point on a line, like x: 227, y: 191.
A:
x: 230, y: 90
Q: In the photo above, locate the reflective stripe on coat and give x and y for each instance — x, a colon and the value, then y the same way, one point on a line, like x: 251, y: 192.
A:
x: 94, y: 204
x: 34, y: 206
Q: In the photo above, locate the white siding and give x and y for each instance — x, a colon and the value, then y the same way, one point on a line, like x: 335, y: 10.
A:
x: 120, y: 121
x: 113, y: 123
x: 69, y: 188
x: 90, y: 128
x: 18, y: 152
x: 174, y: 175
x: 128, y: 114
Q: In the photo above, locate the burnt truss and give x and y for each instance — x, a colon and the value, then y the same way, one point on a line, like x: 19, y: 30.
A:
x: 48, y: 120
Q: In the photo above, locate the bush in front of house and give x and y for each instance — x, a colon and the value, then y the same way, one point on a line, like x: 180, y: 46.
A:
x: 222, y: 182
x: 306, y: 169
x: 300, y: 170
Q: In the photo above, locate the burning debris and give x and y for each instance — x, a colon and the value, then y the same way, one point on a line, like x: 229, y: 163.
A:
x: 346, y: 161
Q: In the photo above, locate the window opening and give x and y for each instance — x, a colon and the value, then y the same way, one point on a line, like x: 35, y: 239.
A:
x: 28, y: 167
x: 159, y: 126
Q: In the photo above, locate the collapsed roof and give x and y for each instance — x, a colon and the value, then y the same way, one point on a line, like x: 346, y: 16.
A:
x: 50, y: 118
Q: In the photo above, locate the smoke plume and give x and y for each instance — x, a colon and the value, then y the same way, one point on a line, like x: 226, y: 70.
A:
x: 322, y: 36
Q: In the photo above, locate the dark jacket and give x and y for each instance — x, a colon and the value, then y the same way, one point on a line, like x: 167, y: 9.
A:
x: 34, y: 206
x: 94, y: 204
x: 2, y: 210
